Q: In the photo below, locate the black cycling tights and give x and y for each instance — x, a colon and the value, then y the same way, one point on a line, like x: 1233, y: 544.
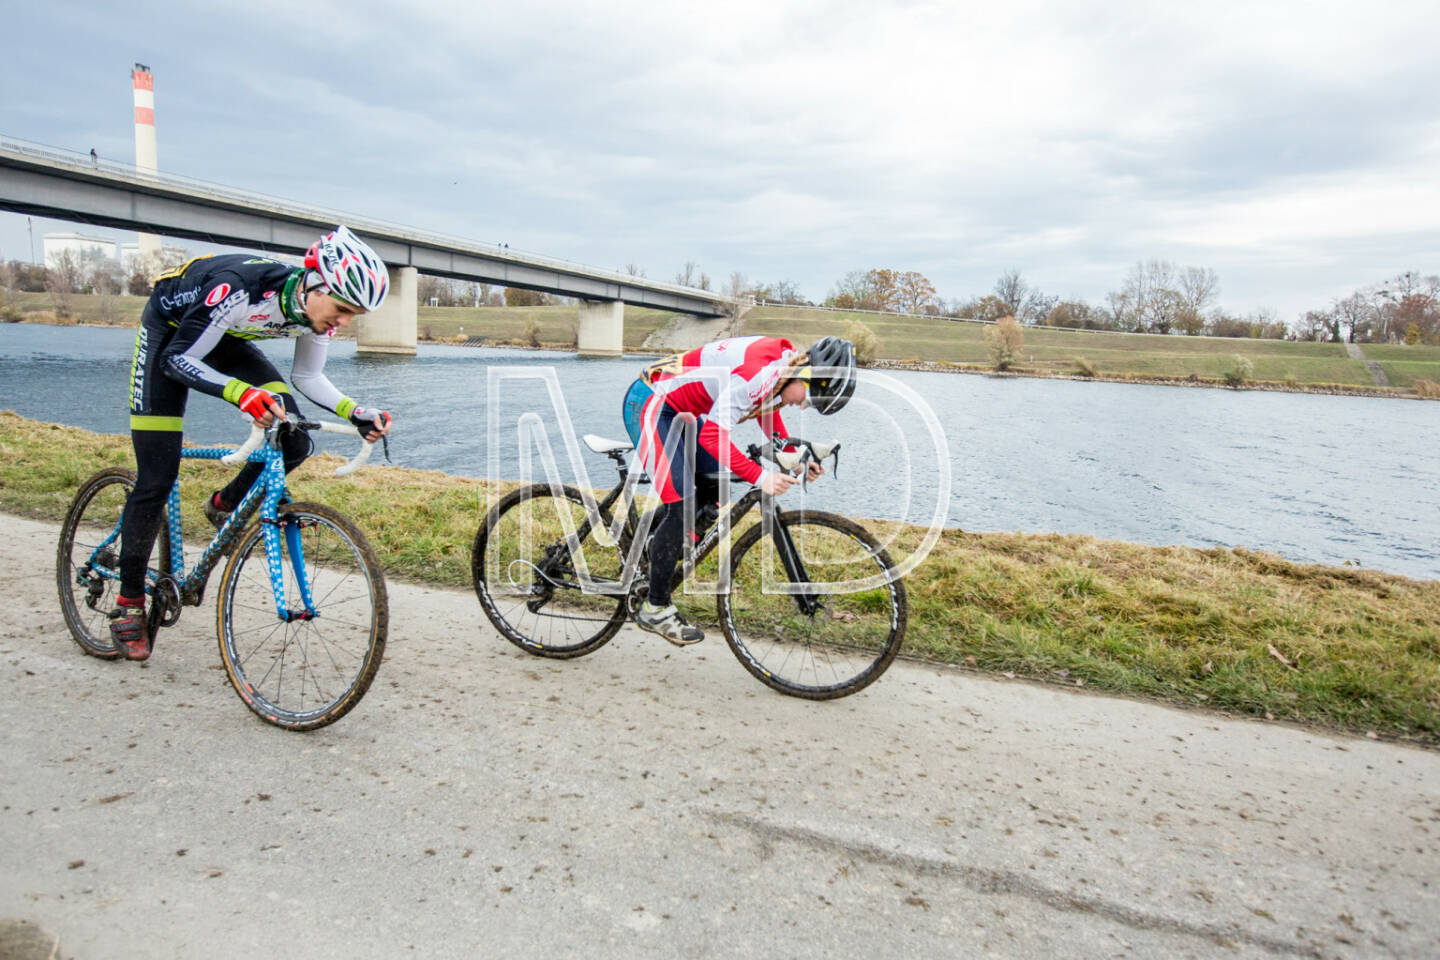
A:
x: 667, y: 537
x: 157, y: 457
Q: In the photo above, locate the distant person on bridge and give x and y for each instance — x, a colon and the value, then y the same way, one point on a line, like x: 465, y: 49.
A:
x: 712, y: 390
x: 195, y: 332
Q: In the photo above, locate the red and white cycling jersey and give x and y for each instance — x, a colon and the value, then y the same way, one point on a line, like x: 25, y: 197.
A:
x: 723, y: 382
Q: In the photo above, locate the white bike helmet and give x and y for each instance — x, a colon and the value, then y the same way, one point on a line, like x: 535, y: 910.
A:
x: 348, y: 269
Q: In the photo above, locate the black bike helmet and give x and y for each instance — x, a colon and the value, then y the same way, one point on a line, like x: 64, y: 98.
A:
x: 832, y: 376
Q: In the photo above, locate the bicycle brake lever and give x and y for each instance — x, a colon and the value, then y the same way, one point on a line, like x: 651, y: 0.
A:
x: 385, y: 446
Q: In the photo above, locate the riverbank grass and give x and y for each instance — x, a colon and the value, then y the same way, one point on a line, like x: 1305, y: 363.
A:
x: 954, y: 345
x: 1233, y: 630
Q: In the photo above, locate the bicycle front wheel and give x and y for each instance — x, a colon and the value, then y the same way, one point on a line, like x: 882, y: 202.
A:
x: 843, y: 629
x: 308, y: 667
x: 527, y: 576
x: 87, y: 563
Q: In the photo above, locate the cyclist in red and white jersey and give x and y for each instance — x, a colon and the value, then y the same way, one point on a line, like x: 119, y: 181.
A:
x: 716, y: 388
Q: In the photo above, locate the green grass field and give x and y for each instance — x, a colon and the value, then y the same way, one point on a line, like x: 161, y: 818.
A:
x: 1404, y: 365
x: 123, y: 310
x: 555, y: 326
x: 1055, y: 350
x: 1046, y: 350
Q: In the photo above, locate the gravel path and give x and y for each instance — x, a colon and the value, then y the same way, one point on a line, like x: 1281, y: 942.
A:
x: 648, y: 801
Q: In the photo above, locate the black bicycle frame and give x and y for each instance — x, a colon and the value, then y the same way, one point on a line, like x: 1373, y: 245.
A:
x: 789, y: 555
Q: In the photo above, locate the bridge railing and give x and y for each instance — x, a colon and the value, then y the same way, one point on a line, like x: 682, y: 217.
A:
x: 128, y: 172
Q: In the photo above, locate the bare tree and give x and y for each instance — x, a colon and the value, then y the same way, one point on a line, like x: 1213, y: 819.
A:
x: 687, y: 276
x: 854, y: 291
x: 1150, y: 289
x: 1316, y: 325
x: 62, y: 279
x: 634, y: 270
x: 1121, y: 309
x: 1013, y: 291
x: 787, y: 291
x: 1354, y: 314
x: 1021, y: 299
x: 105, y: 277
x: 737, y: 285
x: 1198, y: 288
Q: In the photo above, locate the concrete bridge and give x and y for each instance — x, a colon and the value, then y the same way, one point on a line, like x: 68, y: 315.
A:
x: 43, y: 181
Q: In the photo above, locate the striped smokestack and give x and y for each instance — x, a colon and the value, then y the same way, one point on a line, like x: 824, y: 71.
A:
x: 144, y: 83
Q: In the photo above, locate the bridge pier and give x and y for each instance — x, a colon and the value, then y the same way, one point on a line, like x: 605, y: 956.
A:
x: 392, y: 328
x: 600, y: 330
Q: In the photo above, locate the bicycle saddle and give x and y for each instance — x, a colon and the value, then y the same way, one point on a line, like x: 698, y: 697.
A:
x: 602, y: 445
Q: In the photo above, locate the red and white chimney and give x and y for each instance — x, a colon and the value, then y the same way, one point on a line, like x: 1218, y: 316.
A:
x: 145, y: 161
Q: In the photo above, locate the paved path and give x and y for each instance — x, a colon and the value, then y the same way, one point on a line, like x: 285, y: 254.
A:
x: 653, y: 802
x: 1376, y: 371
x: 684, y: 332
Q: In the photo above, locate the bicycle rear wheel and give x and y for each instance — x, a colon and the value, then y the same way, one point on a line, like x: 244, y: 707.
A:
x: 301, y: 672
x: 87, y: 562
x: 847, y: 640
x: 527, y: 577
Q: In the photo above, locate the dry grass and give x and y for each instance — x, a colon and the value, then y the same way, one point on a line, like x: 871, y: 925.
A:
x: 1053, y: 350
x: 1237, y: 630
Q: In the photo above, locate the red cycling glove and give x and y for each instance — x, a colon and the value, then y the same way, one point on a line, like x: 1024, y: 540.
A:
x: 256, y: 402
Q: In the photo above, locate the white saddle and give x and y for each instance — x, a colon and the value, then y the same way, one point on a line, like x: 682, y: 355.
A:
x: 602, y: 445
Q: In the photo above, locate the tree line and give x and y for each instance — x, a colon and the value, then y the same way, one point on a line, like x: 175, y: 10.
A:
x: 1155, y: 296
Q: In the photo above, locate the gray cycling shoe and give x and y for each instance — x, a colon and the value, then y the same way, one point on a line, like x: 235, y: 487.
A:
x: 667, y: 622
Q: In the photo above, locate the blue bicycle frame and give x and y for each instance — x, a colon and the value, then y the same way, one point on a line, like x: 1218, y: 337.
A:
x: 266, y: 491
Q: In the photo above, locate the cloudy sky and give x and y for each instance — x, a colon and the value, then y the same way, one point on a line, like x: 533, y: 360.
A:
x: 1293, y: 147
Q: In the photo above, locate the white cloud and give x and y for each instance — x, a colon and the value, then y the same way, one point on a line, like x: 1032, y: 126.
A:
x: 805, y: 139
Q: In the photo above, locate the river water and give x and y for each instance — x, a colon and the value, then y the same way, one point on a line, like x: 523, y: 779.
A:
x: 1314, y: 478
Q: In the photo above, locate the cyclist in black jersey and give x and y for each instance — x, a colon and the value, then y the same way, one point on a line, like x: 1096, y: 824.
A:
x: 195, y: 333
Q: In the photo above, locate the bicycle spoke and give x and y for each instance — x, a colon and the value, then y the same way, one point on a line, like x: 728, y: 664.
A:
x: 522, y: 557
x: 852, y: 634
x: 304, y: 671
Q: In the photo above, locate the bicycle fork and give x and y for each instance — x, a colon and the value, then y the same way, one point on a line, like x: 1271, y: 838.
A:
x: 808, y: 603
x: 293, y: 544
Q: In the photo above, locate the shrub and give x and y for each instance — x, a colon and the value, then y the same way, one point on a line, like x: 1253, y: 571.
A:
x: 1083, y: 367
x: 1005, y: 340
x: 1427, y: 388
x: 867, y: 345
x: 532, y: 332
x: 1241, y: 369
